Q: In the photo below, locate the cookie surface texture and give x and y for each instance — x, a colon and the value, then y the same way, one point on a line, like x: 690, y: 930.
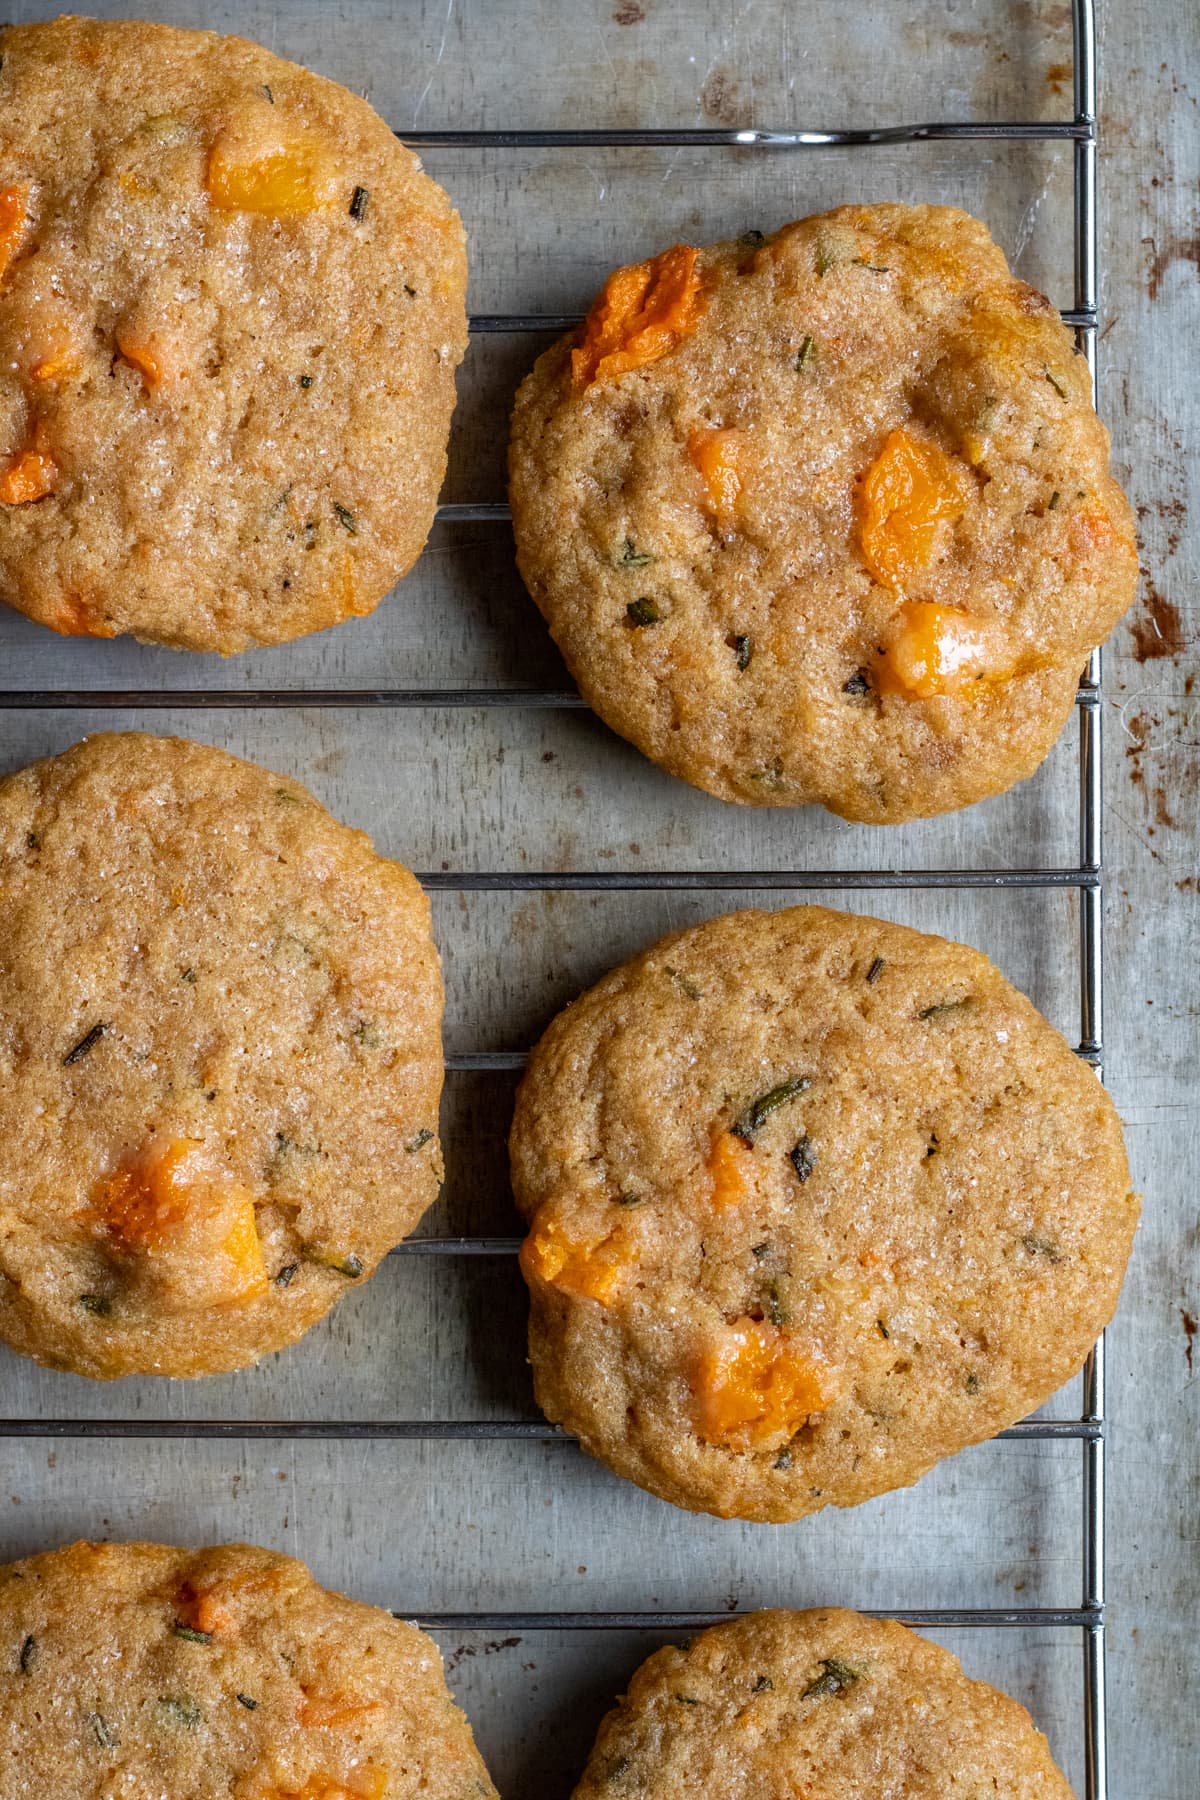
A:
x: 813, y: 1202
x: 142, y: 1670
x: 220, y: 1058
x: 826, y: 1704
x: 825, y: 516
x: 231, y: 307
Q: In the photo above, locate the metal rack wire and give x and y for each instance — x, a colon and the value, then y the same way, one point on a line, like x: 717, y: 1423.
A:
x: 1084, y: 878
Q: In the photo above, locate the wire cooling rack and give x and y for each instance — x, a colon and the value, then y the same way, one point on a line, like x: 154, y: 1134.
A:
x: 1084, y: 878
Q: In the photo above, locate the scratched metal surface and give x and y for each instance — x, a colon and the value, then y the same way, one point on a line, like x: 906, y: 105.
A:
x: 457, y: 1527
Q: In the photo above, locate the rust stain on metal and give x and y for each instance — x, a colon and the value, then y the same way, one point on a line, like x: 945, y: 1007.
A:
x: 1160, y: 631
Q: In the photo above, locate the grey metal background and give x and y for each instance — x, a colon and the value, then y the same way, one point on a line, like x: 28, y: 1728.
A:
x: 523, y: 1525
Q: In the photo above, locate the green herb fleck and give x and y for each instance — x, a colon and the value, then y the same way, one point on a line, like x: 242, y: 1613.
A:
x: 687, y: 1699
x: 858, y: 684
x: 306, y: 381
x: 783, y: 1460
x: 803, y: 1158
x: 366, y: 1034
x: 179, y: 1709
x: 642, y: 612
x: 627, y: 1199
x: 249, y: 1704
x: 633, y: 558
x: 875, y: 971
x: 933, y: 1146
x: 32, y: 841
x: 871, y: 268
x: 882, y: 1329
x: 423, y: 1137
x: 824, y: 260
x: 742, y: 649
x: 28, y: 1656
x: 760, y: 1250
x: 102, y: 1731
x: 346, y: 518
x: 778, y: 1310
x: 190, y: 1635
x: 763, y: 1685
x: 285, y: 1147
x: 1056, y: 384
x: 973, y: 1384
x: 756, y: 1114
x: 835, y: 1678
x: 285, y: 797
x: 1037, y: 1246
x: 99, y: 1304
x: 284, y: 1277
x: 617, y: 1768
x: 188, y: 975
x: 683, y: 984
x: 358, y: 202
x: 1052, y: 503
x: 86, y: 1044
x: 268, y: 93
x: 750, y: 240
x: 808, y: 351
x: 941, y: 1008
x: 771, y: 776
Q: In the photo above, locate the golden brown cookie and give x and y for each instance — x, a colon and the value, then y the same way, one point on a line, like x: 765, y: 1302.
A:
x: 231, y: 307
x: 814, y: 1201
x: 823, y: 1705
x: 825, y: 516
x: 220, y: 1058
x: 145, y: 1671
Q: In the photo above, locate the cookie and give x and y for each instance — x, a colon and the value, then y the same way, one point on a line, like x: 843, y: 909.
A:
x: 780, y: 1705
x: 824, y: 516
x: 220, y: 1059
x: 231, y: 307
x: 813, y: 1202
x: 141, y: 1670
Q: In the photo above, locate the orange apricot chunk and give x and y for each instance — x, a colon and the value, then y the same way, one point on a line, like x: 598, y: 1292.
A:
x: 14, y: 216
x: 29, y: 475
x: 753, y: 1387
x: 1092, y: 530
x: 77, y: 617
x: 149, y: 356
x: 729, y: 1163
x: 370, y: 1783
x: 331, y: 1711
x: 910, y: 488
x: 644, y: 310
x: 278, y: 183
x: 591, y: 1271
x: 940, y: 650
x: 144, y: 1202
x: 714, y: 456
x: 166, y: 1204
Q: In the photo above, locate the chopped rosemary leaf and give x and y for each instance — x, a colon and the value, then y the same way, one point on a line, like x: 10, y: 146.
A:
x: 627, y: 1199
x: 783, y: 1460
x: 346, y: 518
x: 285, y: 797
x: 99, y: 1304
x: 941, y: 1007
x: 778, y: 1310
x: 824, y: 260
x: 642, y: 612
x: 423, y: 1137
x: 268, y: 93
x: 358, y: 202
x: 188, y: 975
x: 973, y: 1383
x: 306, y: 381
x: 102, y: 1731
x: 249, y: 1704
x: 285, y: 1274
x: 683, y: 984
x: 350, y: 1266
x: 633, y: 558
x: 750, y: 240
x: 742, y: 649
x: 366, y: 1034
x: 617, y: 1767
x: 1037, y: 1246
x: 835, y: 1678
x: 760, y: 1250
x: 803, y: 1158
x: 1053, y: 501
x: 756, y: 1114
x: 86, y: 1043
x: 190, y: 1635
x: 871, y: 268
x: 28, y: 1656
x: 875, y: 971
x: 808, y: 351
x: 179, y: 1709
x: 858, y: 684
x: 762, y: 1685
x: 687, y: 1699
x: 32, y: 841
x: 882, y: 1329
x: 1056, y: 384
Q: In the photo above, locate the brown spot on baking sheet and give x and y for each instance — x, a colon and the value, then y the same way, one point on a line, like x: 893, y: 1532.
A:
x: 629, y: 14
x: 1175, y: 249
x: 1059, y: 76
x: 1159, y: 632
x: 489, y: 1649
x: 1189, y: 1332
x: 719, y: 97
